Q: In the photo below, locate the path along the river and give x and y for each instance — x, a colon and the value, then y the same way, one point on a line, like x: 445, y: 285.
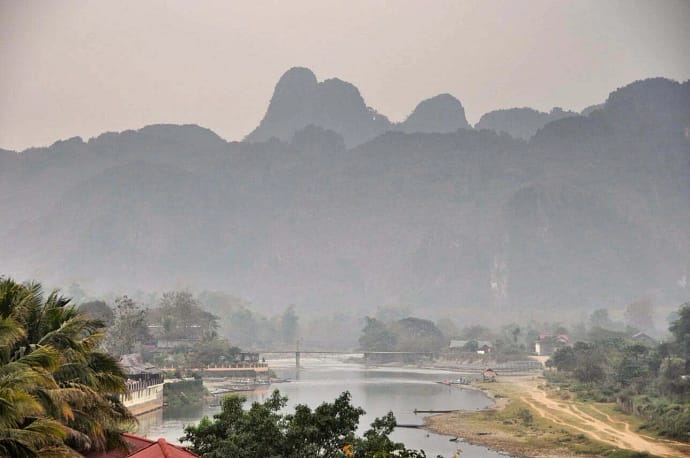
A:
x: 611, y: 431
x: 563, y: 419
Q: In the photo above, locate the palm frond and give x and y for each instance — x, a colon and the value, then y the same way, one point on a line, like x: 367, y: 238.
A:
x: 10, y: 331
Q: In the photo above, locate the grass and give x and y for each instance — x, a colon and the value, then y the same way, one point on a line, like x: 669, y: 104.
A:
x: 520, y: 430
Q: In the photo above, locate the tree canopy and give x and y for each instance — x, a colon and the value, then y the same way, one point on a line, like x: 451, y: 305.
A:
x: 180, y: 316
x: 407, y: 334
x: 263, y: 430
x: 58, y: 390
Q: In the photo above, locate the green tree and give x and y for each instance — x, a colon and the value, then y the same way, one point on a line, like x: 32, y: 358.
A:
x: 263, y: 431
x: 377, y: 337
x: 245, y: 327
x: 69, y: 398
x: 633, y: 367
x: 98, y: 310
x: 564, y: 359
x: 590, y: 363
x: 680, y: 329
x: 289, y: 323
x: 129, y: 329
x: 181, y: 316
x: 600, y: 319
x: 416, y: 334
x: 471, y: 346
x: 25, y: 430
x: 213, y: 351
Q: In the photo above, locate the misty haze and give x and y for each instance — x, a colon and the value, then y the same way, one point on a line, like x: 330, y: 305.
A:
x: 315, y: 270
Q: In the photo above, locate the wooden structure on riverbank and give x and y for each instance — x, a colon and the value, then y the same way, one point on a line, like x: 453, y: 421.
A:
x: 144, y: 385
x: 254, y: 371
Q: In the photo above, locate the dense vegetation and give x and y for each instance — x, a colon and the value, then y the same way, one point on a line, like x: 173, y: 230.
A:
x: 58, y: 390
x: 185, y: 393
x: 406, y: 334
x: 263, y: 431
x: 642, y: 377
x: 191, y: 331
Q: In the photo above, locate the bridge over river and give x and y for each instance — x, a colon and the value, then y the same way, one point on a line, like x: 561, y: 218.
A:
x: 364, y: 354
x: 512, y: 367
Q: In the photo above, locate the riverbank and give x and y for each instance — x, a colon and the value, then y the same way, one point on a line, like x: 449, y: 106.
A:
x: 530, y: 420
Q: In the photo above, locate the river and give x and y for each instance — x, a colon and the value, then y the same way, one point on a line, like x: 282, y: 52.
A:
x: 377, y: 390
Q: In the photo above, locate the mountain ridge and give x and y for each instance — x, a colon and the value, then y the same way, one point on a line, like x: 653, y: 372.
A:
x: 590, y: 210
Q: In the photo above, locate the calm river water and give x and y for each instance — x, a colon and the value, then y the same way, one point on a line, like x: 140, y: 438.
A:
x: 377, y: 390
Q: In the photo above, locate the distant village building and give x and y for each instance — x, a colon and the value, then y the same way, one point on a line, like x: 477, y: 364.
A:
x: 547, y: 344
x: 144, y: 385
x: 644, y: 339
x: 483, y: 346
x: 489, y: 375
x: 243, y: 365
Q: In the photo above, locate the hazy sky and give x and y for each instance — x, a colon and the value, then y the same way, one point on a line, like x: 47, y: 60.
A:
x: 84, y: 67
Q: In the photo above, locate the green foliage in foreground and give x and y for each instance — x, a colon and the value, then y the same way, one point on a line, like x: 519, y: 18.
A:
x: 263, y: 431
x: 58, y: 391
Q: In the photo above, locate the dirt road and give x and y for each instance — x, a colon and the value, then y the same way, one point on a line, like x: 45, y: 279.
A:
x: 615, y: 432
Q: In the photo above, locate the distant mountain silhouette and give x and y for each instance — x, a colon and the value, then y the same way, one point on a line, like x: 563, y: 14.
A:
x: 520, y: 122
x: 300, y: 100
x: 443, y: 113
x: 591, y: 210
x: 590, y: 109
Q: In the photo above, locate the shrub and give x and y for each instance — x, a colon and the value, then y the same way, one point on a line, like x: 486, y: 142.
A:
x: 525, y: 416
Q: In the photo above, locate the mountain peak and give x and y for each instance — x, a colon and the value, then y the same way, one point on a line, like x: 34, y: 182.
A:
x: 650, y: 103
x: 296, y: 80
x: 299, y: 100
x: 521, y: 122
x: 442, y: 113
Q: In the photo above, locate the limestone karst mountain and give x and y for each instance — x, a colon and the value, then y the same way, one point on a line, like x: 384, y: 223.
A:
x: 520, y: 122
x: 591, y: 210
x: 299, y: 100
x: 442, y: 113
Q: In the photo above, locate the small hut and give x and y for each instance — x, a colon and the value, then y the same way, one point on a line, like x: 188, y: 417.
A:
x: 489, y: 375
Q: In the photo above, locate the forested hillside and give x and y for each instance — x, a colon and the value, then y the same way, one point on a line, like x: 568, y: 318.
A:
x: 348, y: 212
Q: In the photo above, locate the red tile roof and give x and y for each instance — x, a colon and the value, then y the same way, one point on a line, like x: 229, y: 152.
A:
x: 141, y: 447
x: 161, y: 449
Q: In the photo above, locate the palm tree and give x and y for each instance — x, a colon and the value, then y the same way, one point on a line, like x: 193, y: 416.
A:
x: 24, y: 428
x: 81, y: 382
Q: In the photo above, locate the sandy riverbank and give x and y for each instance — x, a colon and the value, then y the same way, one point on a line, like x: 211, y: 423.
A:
x: 529, y: 421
